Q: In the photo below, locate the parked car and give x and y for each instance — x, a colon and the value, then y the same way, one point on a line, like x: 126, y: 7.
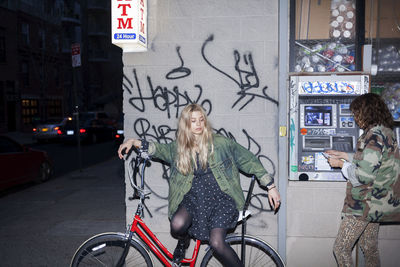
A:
x: 119, y: 135
x: 99, y: 115
x: 20, y: 164
x: 49, y: 131
x: 91, y: 129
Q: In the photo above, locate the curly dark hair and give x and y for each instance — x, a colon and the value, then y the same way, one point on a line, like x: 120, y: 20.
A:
x: 370, y: 109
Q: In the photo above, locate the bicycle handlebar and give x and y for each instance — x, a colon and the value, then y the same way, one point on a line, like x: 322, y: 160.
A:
x: 140, y: 161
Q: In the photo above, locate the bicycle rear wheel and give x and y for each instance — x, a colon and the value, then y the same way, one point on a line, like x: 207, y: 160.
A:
x: 258, y: 253
x: 106, y: 249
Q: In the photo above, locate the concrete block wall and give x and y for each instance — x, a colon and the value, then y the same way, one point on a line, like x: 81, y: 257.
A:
x: 224, y: 56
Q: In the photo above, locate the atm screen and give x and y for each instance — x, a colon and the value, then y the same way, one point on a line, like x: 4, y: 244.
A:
x: 318, y: 115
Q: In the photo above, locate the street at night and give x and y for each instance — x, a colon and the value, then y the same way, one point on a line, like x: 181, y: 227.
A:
x: 43, y: 224
x: 66, y: 157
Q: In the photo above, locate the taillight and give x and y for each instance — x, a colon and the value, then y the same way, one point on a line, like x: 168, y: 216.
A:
x: 34, y: 129
x: 59, y: 132
x: 82, y: 130
x: 117, y: 136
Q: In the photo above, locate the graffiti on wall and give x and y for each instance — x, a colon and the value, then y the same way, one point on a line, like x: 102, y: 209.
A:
x: 169, y: 100
x: 248, y: 82
x: 146, y: 94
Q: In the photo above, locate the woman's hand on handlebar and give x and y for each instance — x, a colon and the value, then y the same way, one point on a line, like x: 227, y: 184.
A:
x: 126, y: 146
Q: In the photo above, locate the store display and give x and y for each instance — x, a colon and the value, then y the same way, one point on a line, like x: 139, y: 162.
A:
x: 387, y: 58
x: 342, y: 19
x: 391, y: 95
x: 324, y: 57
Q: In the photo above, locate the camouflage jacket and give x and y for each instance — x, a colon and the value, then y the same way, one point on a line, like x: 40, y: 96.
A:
x: 377, y: 162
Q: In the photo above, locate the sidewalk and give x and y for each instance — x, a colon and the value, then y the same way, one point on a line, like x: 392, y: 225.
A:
x: 43, y: 225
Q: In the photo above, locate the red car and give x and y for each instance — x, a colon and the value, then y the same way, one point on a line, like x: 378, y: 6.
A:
x: 20, y: 164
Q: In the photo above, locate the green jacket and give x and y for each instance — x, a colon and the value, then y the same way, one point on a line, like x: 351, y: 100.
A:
x: 228, y: 158
x: 377, y: 162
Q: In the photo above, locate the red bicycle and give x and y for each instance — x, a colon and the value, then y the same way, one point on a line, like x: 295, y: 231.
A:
x: 139, y: 243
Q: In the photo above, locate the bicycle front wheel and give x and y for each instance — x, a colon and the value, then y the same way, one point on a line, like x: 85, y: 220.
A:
x: 106, y: 250
x: 257, y: 253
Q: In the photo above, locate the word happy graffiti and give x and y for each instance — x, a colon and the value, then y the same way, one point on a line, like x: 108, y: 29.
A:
x: 162, y: 98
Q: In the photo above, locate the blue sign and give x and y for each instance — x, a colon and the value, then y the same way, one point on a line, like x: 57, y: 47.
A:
x: 335, y: 87
x: 142, y: 39
x: 125, y: 36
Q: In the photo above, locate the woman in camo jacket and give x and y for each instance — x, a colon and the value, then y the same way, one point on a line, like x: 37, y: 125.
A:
x: 372, y: 175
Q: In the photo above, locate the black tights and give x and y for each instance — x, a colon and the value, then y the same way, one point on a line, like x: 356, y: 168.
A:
x: 180, y: 224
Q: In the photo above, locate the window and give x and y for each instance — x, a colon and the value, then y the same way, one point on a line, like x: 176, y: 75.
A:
x: 25, y: 33
x: 324, y: 39
x: 56, y: 42
x: 2, y: 45
x: 42, y: 38
x: 56, y: 75
x: 54, y: 108
x: 8, y: 146
x: 25, y: 73
x: 30, y: 109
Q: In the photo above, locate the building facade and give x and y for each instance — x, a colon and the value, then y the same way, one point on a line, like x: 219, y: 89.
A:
x: 37, y: 80
x: 232, y: 57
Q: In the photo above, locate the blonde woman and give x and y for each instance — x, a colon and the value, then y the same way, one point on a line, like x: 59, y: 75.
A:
x: 205, y: 195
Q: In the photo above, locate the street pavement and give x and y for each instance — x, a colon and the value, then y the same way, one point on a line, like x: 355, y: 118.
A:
x: 43, y: 224
x: 21, y: 137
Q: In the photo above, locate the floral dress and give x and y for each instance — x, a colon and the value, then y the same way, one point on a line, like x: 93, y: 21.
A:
x: 208, y: 205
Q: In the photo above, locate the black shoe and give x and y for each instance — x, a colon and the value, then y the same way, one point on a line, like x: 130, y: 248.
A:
x: 179, y: 252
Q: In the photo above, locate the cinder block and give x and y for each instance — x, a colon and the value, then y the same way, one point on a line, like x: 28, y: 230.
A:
x: 175, y: 29
x: 226, y: 28
x: 259, y: 28
x: 328, y: 200
x: 310, y: 252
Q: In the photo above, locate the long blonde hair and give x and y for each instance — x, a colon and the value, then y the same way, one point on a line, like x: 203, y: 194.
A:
x: 186, y: 141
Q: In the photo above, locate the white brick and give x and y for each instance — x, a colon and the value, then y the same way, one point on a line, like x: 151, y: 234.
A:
x: 259, y: 28
x: 174, y: 30
x: 216, y: 8
x: 304, y: 252
x: 389, y: 252
x: 226, y: 28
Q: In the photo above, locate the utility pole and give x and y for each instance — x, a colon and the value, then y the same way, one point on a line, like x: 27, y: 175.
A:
x: 76, y: 63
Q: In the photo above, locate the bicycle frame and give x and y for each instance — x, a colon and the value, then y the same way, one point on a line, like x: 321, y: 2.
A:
x: 103, y: 248
x: 140, y: 228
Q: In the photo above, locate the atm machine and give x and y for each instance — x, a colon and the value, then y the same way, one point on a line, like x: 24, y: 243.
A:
x: 320, y: 119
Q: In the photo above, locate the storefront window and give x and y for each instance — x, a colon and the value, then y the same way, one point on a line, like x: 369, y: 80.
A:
x: 325, y: 36
x: 382, y: 25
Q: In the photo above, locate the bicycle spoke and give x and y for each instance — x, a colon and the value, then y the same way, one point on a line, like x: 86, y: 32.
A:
x: 106, y: 250
x: 257, y: 253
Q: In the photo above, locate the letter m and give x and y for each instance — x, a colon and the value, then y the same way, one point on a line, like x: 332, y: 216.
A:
x: 124, y: 25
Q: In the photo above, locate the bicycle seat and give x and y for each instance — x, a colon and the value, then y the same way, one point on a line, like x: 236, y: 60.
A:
x: 246, y: 215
